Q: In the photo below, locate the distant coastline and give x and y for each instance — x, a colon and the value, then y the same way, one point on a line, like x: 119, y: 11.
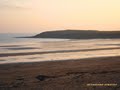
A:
x: 78, y: 34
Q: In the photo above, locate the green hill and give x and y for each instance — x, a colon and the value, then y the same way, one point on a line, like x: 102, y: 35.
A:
x: 79, y: 34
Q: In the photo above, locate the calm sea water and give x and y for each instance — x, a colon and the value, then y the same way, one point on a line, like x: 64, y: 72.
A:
x: 54, y: 49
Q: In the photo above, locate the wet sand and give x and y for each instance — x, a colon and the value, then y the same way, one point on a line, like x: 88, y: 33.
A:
x: 62, y: 75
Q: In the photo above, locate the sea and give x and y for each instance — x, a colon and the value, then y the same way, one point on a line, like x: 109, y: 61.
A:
x: 25, y: 50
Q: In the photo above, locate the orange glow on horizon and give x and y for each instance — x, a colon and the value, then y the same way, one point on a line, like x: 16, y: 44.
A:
x: 36, y: 15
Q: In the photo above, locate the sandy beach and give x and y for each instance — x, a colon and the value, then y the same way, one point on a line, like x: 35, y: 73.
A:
x: 77, y: 74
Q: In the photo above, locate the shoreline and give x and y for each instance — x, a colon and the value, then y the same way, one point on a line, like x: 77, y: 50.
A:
x: 61, y: 75
x: 65, y: 60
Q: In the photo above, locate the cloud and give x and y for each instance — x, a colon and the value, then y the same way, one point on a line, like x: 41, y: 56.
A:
x: 12, y: 7
x: 13, y: 4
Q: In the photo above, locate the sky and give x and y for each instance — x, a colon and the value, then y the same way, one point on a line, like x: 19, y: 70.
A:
x: 19, y: 16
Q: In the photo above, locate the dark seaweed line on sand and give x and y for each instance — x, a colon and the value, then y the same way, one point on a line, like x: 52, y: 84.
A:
x: 48, y: 52
x: 44, y: 77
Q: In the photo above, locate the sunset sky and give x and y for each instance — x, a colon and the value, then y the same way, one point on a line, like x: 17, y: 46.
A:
x: 41, y: 15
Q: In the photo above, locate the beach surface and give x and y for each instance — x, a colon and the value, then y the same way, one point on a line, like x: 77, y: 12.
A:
x: 81, y: 74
